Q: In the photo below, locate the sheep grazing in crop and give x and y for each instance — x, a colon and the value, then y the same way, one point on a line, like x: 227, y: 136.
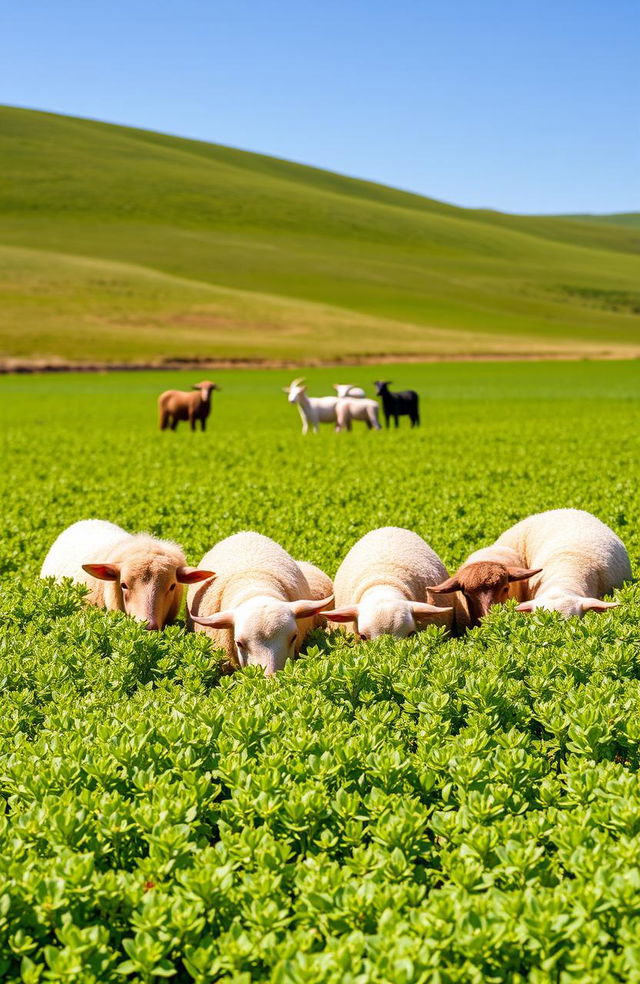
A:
x: 259, y: 609
x: 562, y: 560
x: 383, y: 585
x: 488, y: 577
x: 345, y: 389
x: 313, y: 410
x: 349, y: 409
x: 135, y: 574
x: 581, y: 560
x: 404, y: 404
x: 176, y: 405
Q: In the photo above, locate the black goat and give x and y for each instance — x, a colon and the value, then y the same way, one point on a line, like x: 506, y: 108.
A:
x: 398, y: 404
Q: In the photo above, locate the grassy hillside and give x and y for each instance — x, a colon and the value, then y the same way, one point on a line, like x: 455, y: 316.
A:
x: 628, y: 220
x: 117, y: 243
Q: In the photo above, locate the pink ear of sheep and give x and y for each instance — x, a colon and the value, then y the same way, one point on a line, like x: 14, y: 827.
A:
x: 306, y: 608
x: 421, y: 609
x: 347, y: 614
x: 191, y: 575
x: 219, y: 620
x: 596, y: 605
x: 103, y: 572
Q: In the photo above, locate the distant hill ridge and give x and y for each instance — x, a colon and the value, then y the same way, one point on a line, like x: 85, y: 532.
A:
x: 121, y: 244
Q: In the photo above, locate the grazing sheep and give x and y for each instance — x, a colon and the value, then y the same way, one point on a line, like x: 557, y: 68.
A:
x: 357, y: 409
x: 572, y: 560
x: 397, y: 405
x: 488, y: 577
x: 344, y: 389
x: 581, y: 560
x: 259, y: 607
x: 313, y: 410
x: 382, y: 585
x: 175, y: 405
x: 136, y: 574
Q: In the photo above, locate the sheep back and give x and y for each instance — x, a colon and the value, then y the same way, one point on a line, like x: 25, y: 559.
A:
x: 391, y: 556
x: 572, y: 547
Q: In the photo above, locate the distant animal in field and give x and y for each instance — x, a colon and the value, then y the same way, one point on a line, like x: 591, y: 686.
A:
x: 176, y: 405
x: 403, y: 404
x: 382, y: 586
x: 350, y: 409
x: 345, y: 389
x: 561, y: 560
x: 136, y: 574
x: 313, y: 410
x: 259, y: 609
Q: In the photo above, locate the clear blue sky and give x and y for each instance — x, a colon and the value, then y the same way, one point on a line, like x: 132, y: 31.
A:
x: 524, y: 106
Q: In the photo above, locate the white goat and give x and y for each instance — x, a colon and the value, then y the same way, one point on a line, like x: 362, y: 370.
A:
x: 313, y: 410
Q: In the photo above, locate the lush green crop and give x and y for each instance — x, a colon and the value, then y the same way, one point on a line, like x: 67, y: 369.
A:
x: 137, y: 245
x: 427, y: 810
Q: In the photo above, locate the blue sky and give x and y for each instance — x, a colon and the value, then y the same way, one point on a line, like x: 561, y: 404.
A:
x: 522, y: 106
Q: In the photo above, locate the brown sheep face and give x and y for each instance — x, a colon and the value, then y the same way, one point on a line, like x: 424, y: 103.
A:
x: 483, y: 585
x: 148, y: 589
x: 206, y: 388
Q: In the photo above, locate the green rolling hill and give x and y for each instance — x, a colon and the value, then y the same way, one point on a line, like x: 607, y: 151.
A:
x: 120, y: 244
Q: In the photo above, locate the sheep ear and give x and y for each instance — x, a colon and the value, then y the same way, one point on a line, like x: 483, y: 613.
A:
x: 451, y: 584
x: 526, y: 606
x: 196, y: 386
x: 421, y: 609
x: 347, y: 614
x: 522, y: 573
x: 104, y: 572
x: 191, y: 575
x: 306, y: 608
x: 220, y: 620
x: 286, y: 389
x: 595, y: 605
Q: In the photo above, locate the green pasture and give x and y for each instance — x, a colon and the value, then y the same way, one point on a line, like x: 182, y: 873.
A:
x: 134, y: 245
x: 435, y: 809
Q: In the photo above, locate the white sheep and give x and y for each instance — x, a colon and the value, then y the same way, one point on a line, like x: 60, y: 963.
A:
x: 345, y: 389
x: 580, y: 560
x: 564, y: 560
x: 349, y: 409
x: 382, y: 585
x: 136, y: 574
x: 259, y: 607
x: 313, y: 410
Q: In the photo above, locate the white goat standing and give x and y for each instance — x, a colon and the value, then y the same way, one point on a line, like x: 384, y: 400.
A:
x: 313, y: 410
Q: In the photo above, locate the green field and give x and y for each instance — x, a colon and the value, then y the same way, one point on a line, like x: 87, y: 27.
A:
x: 119, y: 244
x: 434, y: 809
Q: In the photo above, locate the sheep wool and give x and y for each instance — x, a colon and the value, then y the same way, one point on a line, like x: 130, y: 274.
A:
x: 382, y: 585
x: 580, y: 557
x: 137, y: 574
x: 260, y: 606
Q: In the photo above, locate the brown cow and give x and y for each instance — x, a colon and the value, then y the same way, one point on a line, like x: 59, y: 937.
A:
x: 175, y: 405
